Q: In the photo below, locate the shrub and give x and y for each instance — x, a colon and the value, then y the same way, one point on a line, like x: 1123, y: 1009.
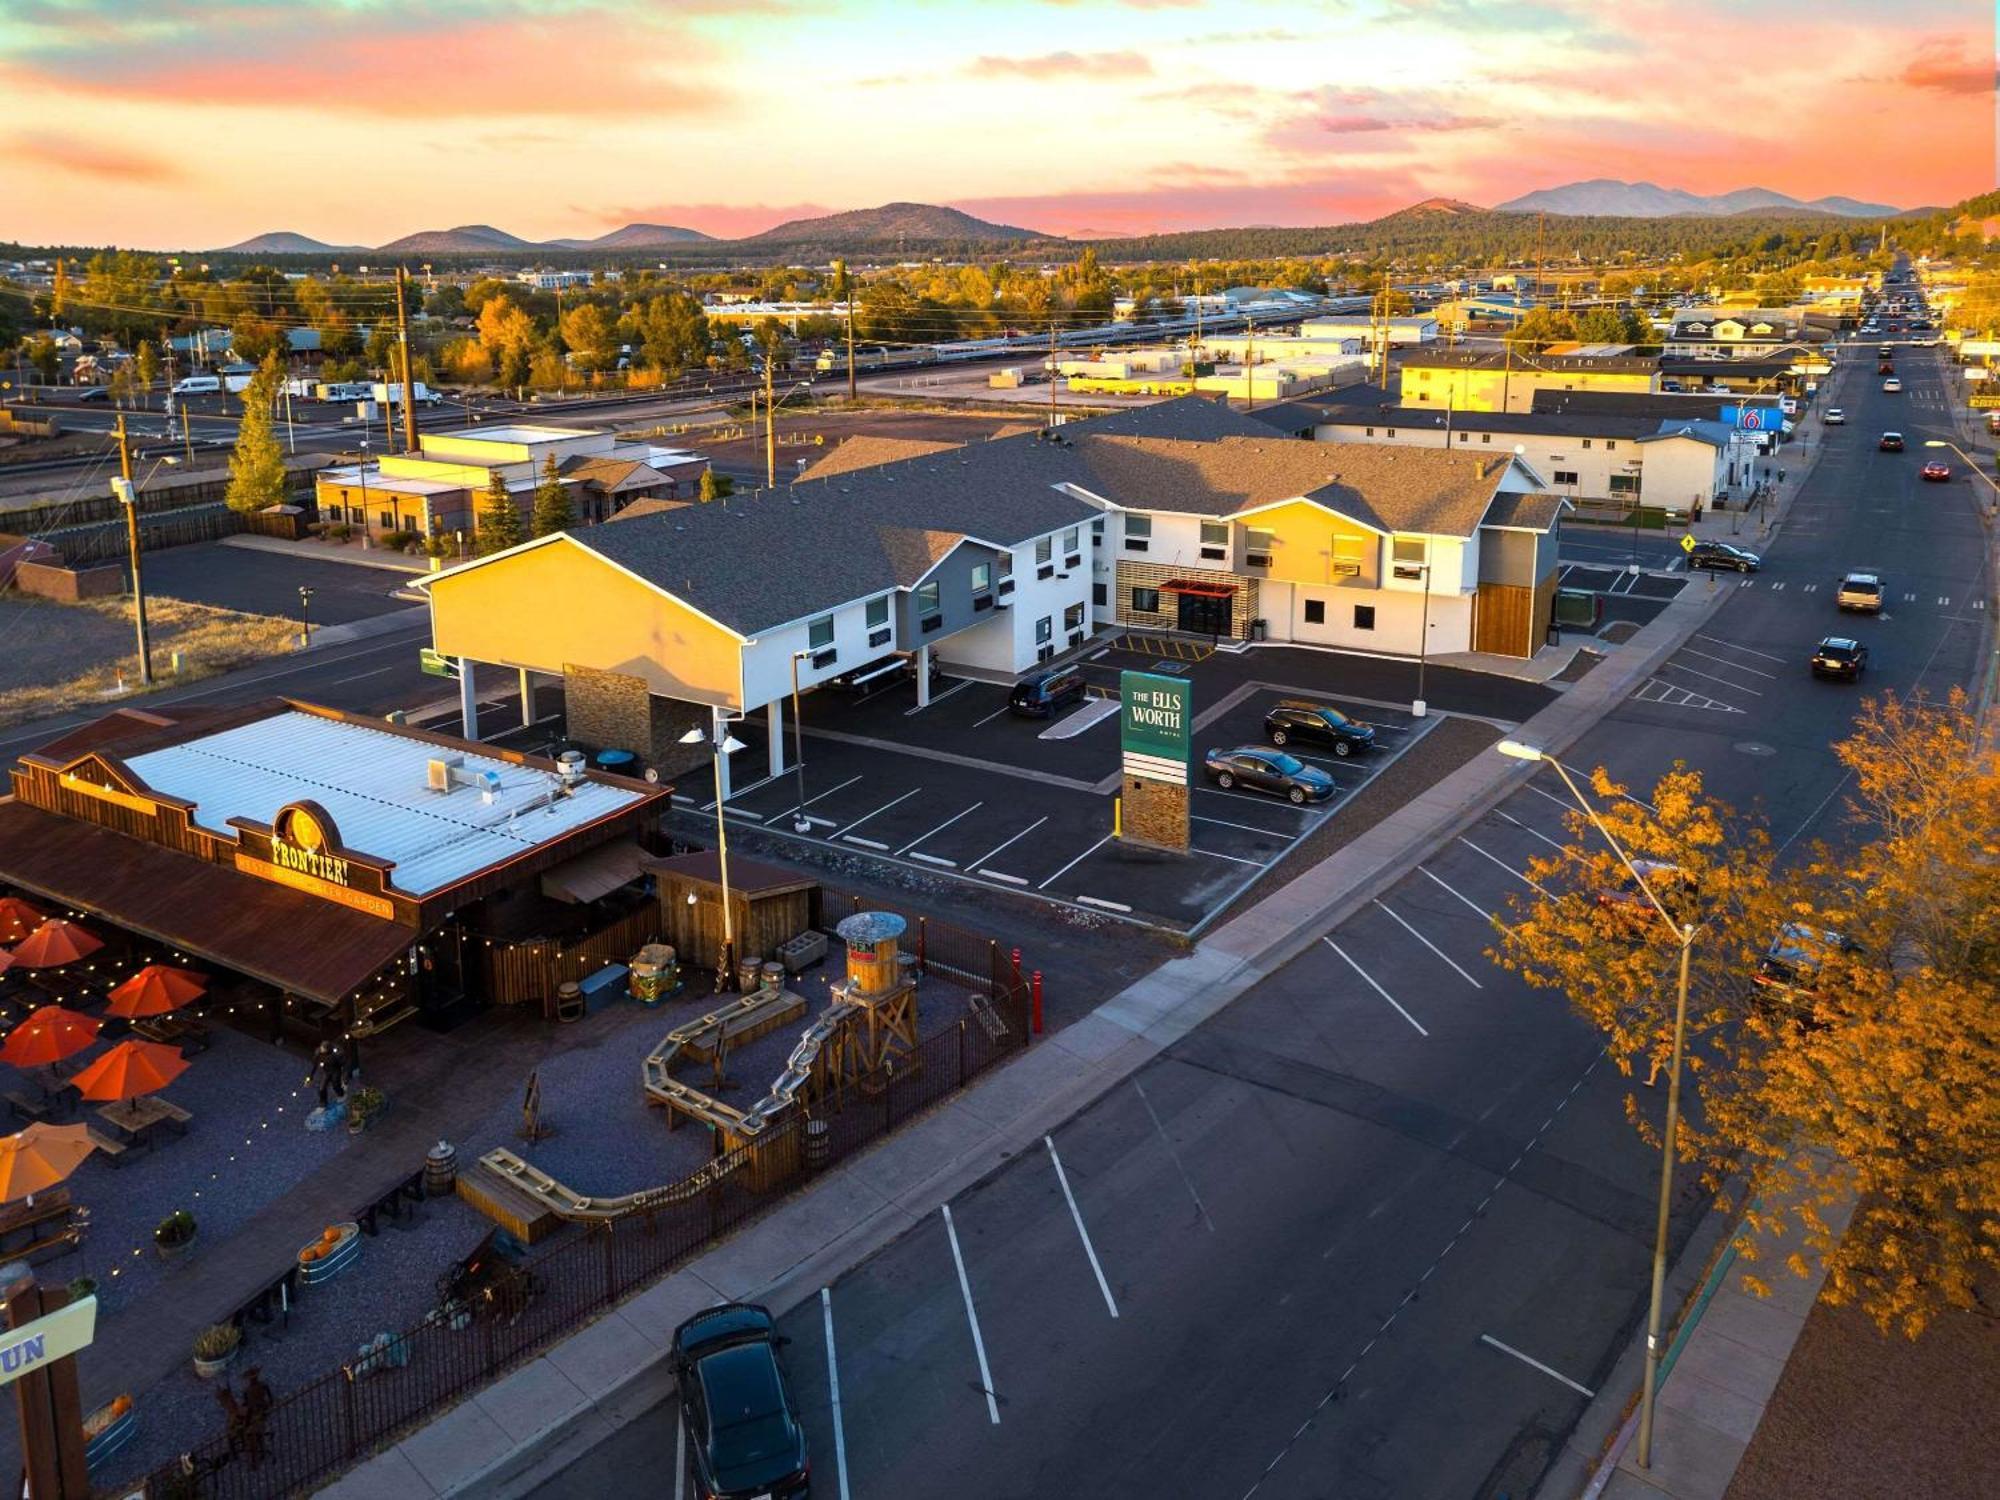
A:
x: 217, y: 1341
x: 177, y: 1228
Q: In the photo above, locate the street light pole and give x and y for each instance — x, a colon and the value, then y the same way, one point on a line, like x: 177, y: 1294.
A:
x: 1684, y: 934
x: 1417, y: 709
x: 720, y: 743
x: 305, y: 613
x: 800, y: 822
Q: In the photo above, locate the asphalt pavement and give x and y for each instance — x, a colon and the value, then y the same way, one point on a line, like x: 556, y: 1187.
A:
x: 1379, y: 1228
x: 268, y: 583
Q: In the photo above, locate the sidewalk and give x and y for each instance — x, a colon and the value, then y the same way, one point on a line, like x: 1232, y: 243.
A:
x: 516, y: 1432
x: 371, y: 557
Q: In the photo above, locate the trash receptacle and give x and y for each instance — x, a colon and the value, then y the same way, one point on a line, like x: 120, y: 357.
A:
x: 1257, y: 628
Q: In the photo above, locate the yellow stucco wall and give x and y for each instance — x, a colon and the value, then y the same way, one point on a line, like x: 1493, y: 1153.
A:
x: 1500, y: 390
x: 561, y: 603
x: 1305, y: 541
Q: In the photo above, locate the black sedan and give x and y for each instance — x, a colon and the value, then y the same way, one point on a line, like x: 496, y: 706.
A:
x: 1723, y: 557
x: 743, y: 1431
x: 1892, y: 442
x: 1270, y: 771
x: 1309, y: 723
x: 1837, y: 656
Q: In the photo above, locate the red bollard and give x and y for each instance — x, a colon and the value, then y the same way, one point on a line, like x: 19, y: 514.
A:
x: 1038, y: 1002
x: 1017, y: 963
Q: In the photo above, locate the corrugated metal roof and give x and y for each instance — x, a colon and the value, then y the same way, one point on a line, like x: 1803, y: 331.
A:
x: 376, y: 786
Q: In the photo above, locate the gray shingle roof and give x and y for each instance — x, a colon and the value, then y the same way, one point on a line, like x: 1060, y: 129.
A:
x: 1485, y: 359
x: 1526, y: 512
x: 1535, y: 424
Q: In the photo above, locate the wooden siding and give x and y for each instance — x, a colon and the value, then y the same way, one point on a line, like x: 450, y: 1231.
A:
x: 1511, y: 620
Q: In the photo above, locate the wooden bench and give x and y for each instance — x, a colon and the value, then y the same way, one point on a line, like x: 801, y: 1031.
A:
x: 111, y: 1147
x: 177, y: 1117
x: 49, y: 1223
x: 172, y: 1028
x: 28, y: 1106
x: 397, y: 1204
x: 272, y: 1303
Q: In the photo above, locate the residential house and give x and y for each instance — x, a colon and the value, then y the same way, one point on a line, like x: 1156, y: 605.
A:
x: 1733, y: 335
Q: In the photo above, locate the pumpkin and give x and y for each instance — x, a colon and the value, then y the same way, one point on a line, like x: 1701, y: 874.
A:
x: 310, y: 1253
x: 121, y: 1405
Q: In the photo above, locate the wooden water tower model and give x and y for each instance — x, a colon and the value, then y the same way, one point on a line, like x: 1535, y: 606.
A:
x: 881, y: 987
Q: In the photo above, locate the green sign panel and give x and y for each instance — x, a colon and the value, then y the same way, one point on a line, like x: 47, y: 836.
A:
x: 1155, y: 721
x: 436, y: 663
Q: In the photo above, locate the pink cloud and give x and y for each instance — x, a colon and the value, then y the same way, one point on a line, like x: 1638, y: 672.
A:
x: 1063, y: 65
x: 76, y: 156
x: 1942, y: 68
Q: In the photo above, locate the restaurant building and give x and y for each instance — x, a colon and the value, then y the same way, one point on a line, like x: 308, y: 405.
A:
x: 356, y: 873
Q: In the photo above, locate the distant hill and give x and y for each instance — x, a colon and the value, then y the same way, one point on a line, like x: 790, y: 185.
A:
x: 466, y: 239
x: 914, y: 222
x: 1607, y: 197
x: 283, y: 242
x: 1433, y: 208
x: 636, y: 237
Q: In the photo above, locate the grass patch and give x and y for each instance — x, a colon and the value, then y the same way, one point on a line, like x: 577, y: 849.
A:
x: 58, y: 657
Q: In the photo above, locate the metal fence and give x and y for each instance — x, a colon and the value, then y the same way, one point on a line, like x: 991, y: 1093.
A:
x: 341, y: 1417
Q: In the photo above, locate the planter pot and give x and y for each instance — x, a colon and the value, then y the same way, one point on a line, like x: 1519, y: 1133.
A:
x: 208, y: 1369
x: 177, y: 1251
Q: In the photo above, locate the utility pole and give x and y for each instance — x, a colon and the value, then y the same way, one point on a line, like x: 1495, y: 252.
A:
x: 187, y: 436
x: 847, y: 286
x: 131, y: 499
x: 1541, y: 232
x: 770, y: 422
x: 403, y: 347
x: 1250, y: 364
x: 1052, y: 373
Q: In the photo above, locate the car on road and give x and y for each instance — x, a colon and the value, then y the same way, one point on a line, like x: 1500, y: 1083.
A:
x: 1270, y: 771
x: 1935, y: 472
x: 1674, y: 886
x: 1891, y: 442
x: 1892, y: 386
x: 93, y: 393
x: 1839, y: 656
x: 1722, y: 557
x: 1834, y: 417
x: 1860, y: 591
x: 1040, y: 694
x: 1310, y: 723
x: 1885, y: 368
x: 744, y: 1437
x: 1793, y: 962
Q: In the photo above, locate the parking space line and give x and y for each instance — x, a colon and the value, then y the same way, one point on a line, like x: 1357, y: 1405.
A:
x: 1271, y: 833
x: 937, y: 698
x: 1430, y: 945
x: 1374, y: 986
x: 1110, y: 1303
x: 933, y: 859
x: 1021, y: 835
x: 1552, y: 797
x: 1167, y: 1141
x: 1487, y: 1338
x: 1073, y: 863
x: 680, y: 1453
x: 833, y: 1384
x: 940, y: 828
x: 1534, y: 833
x: 855, y: 838
x: 826, y: 794
x: 992, y: 716
x: 971, y: 1317
x: 742, y: 791
x: 1501, y: 863
x: 1235, y: 859
x: 878, y: 812
x: 1482, y: 911
x: 1737, y: 665
x: 1725, y: 681
x: 1216, y: 791
x: 738, y: 812
x: 1102, y: 904
x: 1000, y: 875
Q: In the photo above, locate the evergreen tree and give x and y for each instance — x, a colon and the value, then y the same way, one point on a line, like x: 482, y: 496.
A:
x: 499, y: 519
x: 552, y: 512
x: 257, y: 467
x: 716, y: 486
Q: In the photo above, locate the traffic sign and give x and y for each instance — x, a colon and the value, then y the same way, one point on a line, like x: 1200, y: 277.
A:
x: 436, y: 663
x: 1687, y: 541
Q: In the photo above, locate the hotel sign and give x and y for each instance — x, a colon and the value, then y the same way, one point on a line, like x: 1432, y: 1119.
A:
x: 1155, y: 725
x: 63, y: 1332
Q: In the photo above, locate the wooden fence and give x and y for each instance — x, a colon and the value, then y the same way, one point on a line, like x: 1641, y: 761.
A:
x: 530, y: 973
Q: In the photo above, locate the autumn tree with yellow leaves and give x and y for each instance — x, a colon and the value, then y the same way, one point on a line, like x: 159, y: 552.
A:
x: 1843, y: 1039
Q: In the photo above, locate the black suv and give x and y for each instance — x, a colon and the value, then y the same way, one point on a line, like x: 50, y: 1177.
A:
x: 744, y: 1437
x: 1720, y: 555
x: 1837, y: 656
x: 1309, y: 723
x: 1040, y: 694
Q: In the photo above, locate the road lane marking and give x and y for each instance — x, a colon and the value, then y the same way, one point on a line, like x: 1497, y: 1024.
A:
x: 680, y: 1453
x: 940, y: 828
x: 971, y: 1317
x: 1374, y: 986
x: 1725, y: 661
x: 1017, y: 837
x: 1110, y: 1302
x: 877, y: 813
x: 1534, y: 833
x: 833, y: 1383
x: 1481, y: 911
x: 1584, y: 1390
x: 1167, y: 1141
x: 1501, y: 863
x: 1431, y: 945
x: 1073, y: 863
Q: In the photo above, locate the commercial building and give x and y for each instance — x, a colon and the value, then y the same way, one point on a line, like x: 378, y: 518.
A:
x: 1507, y: 380
x: 359, y: 872
x: 1402, y: 332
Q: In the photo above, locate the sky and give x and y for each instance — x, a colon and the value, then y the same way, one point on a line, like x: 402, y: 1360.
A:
x: 190, y: 124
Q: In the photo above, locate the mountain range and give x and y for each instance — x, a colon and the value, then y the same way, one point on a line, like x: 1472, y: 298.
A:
x: 1607, y: 197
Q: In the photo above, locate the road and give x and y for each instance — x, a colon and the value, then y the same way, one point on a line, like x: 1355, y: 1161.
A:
x: 1379, y: 1227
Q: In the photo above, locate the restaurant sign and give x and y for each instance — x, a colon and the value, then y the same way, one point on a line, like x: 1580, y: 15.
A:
x: 302, y: 849
x: 298, y: 842
x: 49, y: 1338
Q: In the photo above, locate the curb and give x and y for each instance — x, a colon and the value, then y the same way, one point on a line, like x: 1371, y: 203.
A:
x: 316, y: 552
x: 579, y: 1393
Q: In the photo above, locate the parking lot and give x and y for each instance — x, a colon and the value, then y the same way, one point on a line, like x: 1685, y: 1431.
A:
x: 1623, y: 595
x: 965, y: 789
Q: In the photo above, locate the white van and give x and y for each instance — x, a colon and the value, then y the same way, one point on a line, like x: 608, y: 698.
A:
x: 197, y: 385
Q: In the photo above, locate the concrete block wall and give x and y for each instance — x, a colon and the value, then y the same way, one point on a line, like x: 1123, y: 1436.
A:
x: 1155, y: 813
x: 69, y: 585
x: 616, y: 711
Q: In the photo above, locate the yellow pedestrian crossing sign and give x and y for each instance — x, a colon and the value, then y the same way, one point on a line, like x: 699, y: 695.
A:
x: 1687, y: 541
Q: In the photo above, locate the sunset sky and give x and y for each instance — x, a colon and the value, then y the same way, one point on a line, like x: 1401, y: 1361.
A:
x: 195, y: 123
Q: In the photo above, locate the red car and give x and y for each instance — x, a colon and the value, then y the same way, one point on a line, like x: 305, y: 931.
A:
x: 1936, y: 471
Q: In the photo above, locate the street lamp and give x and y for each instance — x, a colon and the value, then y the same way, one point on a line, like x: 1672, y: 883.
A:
x: 800, y: 822
x: 1993, y: 505
x: 720, y: 742
x: 364, y: 487
x: 305, y: 612
x: 1684, y: 938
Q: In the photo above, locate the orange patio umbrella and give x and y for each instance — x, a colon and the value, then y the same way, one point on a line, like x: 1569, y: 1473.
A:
x: 18, y: 919
x: 155, y: 990
x: 57, y: 941
x: 48, y: 1036
x: 6, y: 960
x: 129, y: 1070
x: 36, y: 1159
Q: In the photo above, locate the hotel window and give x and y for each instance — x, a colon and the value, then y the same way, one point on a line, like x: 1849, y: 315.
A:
x: 1364, y: 617
x: 982, y: 578
x: 1485, y: 437
x: 928, y: 615
x: 1006, y: 574
x: 1097, y: 529
x: 1565, y: 476
x: 1138, y: 532
x: 1215, y: 540
x: 1045, y: 551
x: 1257, y: 547
x: 1586, y: 442
x: 1610, y: 444
x: 1371, y: 432
x: 1100, y: 595
x: 1350, y: 556
x: 1392, y: 432
x: 1145, y: 601
x: 1408, y: 555
x: 1624, y: 484
x: 1045, y: 629
x: 878, y: 621
x: 1073, y: 617
x: 819, y: 640
x: 1072, y: 547
x: 1315, y: 611
x: 1465, y: 437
